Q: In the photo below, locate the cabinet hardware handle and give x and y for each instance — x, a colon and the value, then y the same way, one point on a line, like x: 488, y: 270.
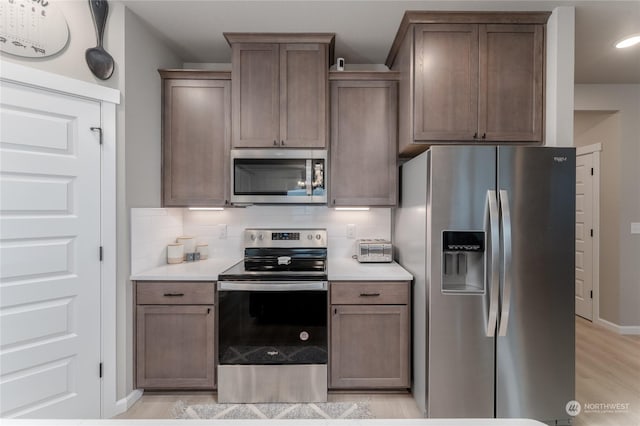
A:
x: 475, y: 135
x: 484, y: 136
x: 208, y: 311
x: 174, y: 294
x: 369, y: 294
x: 335, y: 311
x: 282, y: 143
x: 275, y: 142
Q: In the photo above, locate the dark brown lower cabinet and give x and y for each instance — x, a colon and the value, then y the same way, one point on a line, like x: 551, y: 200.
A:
x: 369, y: 342
x: 175, y: 345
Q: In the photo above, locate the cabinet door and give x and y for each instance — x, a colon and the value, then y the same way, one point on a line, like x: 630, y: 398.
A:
x: 363, y: 143
x: 303, y: 95
x: 255, y: 94
x: 446, y: 82
x: 511, y: 82
x: 196, y: 142
x: 175, y: 347
x: 369, y: 346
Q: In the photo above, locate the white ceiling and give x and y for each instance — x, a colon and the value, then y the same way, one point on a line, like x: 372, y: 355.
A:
x: 365, y: 29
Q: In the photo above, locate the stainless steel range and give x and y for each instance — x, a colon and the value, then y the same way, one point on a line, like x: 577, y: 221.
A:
x: 272, y: 313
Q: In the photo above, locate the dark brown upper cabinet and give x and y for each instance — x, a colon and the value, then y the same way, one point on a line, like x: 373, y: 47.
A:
x: 280, y: 90
x: 469, y: 77
x: 196, y: 138
x: 364, y: 132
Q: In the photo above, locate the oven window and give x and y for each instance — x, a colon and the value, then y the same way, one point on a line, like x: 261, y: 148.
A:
x: 276, y: 177
x: 272, y: 327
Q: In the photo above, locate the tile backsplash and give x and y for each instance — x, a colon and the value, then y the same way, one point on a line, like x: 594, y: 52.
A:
x: 153, y: 229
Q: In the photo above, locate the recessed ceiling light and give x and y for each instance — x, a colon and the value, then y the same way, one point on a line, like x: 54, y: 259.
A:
x: 628, y: 41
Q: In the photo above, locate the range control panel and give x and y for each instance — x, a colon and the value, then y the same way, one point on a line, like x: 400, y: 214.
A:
x: 302, y: 237
x: 285, y: 236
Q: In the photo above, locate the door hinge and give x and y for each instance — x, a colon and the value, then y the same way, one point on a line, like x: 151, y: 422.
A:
x: 592, y: 171
x: 591, y: 294
x: 101, y: 251
x: 591, y: 232
x: 99, y: 130
x: 100, y: 370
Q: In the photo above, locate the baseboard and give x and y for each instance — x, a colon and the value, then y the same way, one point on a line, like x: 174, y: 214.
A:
x: 620, y: 329
x: 125, y: 403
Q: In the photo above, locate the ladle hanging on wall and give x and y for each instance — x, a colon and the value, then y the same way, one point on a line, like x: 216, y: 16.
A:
x: 99, y: 60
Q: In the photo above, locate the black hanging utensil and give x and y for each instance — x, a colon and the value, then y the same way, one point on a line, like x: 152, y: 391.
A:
x: 99, y: 60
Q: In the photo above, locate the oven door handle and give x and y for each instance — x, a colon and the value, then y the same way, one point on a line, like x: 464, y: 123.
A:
x: 272, y: 285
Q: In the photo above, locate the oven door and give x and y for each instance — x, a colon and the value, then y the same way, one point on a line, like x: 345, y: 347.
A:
x: 278, y: 176
x: 272, y: 323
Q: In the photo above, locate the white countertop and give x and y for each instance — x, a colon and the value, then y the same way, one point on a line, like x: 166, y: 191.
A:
x: 201, y: 270
x: 272, y: 422
x: 340, y: 269
x: 347, y: 269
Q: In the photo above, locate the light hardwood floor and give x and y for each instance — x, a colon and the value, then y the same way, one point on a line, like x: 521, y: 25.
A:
x: 160, y: 405
x: 607, y: 371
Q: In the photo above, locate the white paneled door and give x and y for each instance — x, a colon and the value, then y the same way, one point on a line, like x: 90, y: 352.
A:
x: 584, y: 236
x: 49, y: 255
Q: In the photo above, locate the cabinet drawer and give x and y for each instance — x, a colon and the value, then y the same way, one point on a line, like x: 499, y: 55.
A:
x: 369, y: 293
x: 175, y: 293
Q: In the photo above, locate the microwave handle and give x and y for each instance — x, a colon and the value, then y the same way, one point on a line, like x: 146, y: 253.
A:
x: 309, y: 177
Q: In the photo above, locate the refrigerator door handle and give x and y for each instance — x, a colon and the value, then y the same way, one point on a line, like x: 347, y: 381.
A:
x: 494, y: 259
x: 505, y: 218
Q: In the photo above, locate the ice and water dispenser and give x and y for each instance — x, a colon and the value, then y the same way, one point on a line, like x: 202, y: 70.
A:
x: 463, y: 261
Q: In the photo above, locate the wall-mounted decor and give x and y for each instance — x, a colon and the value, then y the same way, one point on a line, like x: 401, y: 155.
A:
x: 99, y: 60
x: 32, y: 28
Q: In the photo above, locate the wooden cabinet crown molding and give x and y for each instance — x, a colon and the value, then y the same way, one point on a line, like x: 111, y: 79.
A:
x: 194, y: 74
x: 325, y: 38
x: 444, y: 17
x: 364, y: 75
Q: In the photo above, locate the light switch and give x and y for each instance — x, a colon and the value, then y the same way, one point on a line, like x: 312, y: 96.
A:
x: 635, y: 227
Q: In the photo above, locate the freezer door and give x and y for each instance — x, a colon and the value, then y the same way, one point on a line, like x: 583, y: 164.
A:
x: 535, y: 343
x: 460, y: 349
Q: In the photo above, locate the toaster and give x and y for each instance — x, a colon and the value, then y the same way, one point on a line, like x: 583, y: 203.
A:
x: 374, y: 250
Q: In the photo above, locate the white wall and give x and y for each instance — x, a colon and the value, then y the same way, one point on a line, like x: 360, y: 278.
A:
x: 624, y: 99
x: 559, y: 77
x: 139, y: 161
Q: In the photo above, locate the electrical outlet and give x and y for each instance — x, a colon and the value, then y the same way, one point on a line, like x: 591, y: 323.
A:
x: 222, y: 231
x: 351, y: 231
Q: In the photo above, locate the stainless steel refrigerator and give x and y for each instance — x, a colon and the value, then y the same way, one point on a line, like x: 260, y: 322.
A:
x: 489, y: 235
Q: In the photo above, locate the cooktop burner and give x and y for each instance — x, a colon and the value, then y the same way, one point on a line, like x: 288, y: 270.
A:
x: 281, y: 255
x: 240, y: 272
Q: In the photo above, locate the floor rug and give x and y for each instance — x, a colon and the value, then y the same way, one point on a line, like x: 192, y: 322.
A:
x: 318, y: 410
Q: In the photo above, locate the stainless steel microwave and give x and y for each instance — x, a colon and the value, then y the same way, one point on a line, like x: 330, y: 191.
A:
x: 278, y: 176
